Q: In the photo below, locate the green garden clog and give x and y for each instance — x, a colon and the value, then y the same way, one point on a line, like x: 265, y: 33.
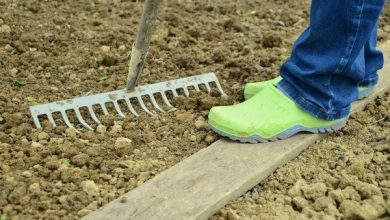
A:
x: 268, y: 116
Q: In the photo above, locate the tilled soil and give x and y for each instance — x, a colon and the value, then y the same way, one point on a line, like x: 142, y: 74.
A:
x: 51, y: 50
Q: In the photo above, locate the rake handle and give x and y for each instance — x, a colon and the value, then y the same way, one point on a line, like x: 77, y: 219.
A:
x: 140, y: 47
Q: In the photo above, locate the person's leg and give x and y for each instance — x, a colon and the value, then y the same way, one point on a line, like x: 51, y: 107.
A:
x: 370, y: 56
x: 373, y: 61
x: 325, y: 69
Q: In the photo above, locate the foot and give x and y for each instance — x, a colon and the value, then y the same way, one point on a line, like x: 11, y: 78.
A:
x: 252, y: 89
x: 268, y: 116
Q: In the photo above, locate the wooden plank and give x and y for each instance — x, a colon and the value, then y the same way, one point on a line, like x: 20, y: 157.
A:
x: 200, y: 185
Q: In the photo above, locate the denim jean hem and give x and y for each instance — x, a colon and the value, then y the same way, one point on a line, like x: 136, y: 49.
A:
x: 371, y: 82
x: 309, y: 107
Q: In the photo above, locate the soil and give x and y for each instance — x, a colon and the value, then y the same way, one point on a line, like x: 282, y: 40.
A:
x: 51, y: 50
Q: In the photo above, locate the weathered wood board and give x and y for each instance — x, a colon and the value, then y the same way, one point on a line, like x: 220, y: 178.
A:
x: 200, y: 185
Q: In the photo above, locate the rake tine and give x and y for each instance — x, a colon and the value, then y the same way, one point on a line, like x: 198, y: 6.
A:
x: 208, y: 87
x: 174, y: 93
x: 196, y: 88
x: 93, y: 115
x: 51, y: 119
x: 67, y: 122
x: 131, y: 109
x: 219, y: 87
x: 81, y: 120
x: 104, y: 108
x: 155, y: 104
x: 186, y: 92
x: 118, y: 109
x: 142, y: 104
x: 165, y: 99
x: 36, y: 121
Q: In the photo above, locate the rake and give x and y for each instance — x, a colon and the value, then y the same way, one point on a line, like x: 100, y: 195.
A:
x: 132, y: 91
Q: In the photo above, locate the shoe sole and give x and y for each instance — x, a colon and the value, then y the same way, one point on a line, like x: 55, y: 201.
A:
x: 254, y: 139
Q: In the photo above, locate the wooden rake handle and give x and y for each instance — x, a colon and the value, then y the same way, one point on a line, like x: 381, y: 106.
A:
x: 140, y: 47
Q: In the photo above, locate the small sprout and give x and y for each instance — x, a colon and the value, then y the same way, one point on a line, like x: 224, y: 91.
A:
x: 17, y: 83
x: 103, y: 78
x: 96, y: 146
x: 3, y: 217
x: 66, y: 162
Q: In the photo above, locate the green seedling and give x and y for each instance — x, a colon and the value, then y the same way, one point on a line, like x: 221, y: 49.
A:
x: 103, y: 78
x: 3, y: 217
x: 66, y: 162
x: 96, y: 146
x: 17, y: 83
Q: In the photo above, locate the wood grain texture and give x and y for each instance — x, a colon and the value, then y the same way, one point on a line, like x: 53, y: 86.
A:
x: 200, y: 185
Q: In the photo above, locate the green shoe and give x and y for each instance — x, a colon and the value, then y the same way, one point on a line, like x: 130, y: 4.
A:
x: 252, y: 89
x: 268, y: 116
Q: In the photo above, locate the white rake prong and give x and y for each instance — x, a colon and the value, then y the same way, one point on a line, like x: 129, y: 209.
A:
x: 207, y: 87
x: 93, y: 115
x: 186, y: 92
x: 196, y: 88
x: 118, y: 109
x: 155, y: 104
x: 81, y: 120
x: 219, y: 87
x: 51, y: 119
x: 67, y: 122
x: 104, y: 108
x: 174, y: 93
x: 142, y: 104
x: 165, y: 99
x: 36, y: 121
x: 131, y: 109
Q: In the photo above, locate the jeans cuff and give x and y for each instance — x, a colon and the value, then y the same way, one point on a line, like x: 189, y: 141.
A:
x: 310, y: 107
x: 370, y: 82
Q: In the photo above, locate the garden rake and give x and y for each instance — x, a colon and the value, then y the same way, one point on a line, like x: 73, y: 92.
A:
x: 136, y: 63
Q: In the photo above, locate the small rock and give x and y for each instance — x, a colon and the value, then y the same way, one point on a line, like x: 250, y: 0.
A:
x: 105, y: 49
x: 36, y: 145
x: 209, y: 139
x: 52, y: 165
x: 367, y: 190
x: 13, y: 72
x: 314, y: 191
x: 300, y: 203
x: 184, y: 117
x: 322, y: 203
x: 80, y: 159
x: 116, y: 128
x: 43, y: 136
x: 63, y: 199
x: 122, y: 48
x: 193, y: 138
x: 26, y: 174
x: 5, y: 29
x: 90, y: 187
x: 84, y: 212
x: 123, y: 146
x: 34, y: 188
x: 201, y: 124
x: 386, y: 28
x: 338, y: 195
x: 231, y: 215
x: 71, y: 132
x: 101, y: 129
x: 351, y: 193
x: 296, y: 190
x: 349, y: 208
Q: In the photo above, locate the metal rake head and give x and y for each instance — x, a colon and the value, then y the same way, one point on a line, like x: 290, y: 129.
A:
x: 122, y: 95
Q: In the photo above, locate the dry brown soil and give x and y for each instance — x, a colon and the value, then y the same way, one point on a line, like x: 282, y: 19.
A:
x: 54, y: 50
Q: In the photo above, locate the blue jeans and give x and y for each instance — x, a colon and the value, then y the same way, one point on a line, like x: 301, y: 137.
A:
x: 334, y: 55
